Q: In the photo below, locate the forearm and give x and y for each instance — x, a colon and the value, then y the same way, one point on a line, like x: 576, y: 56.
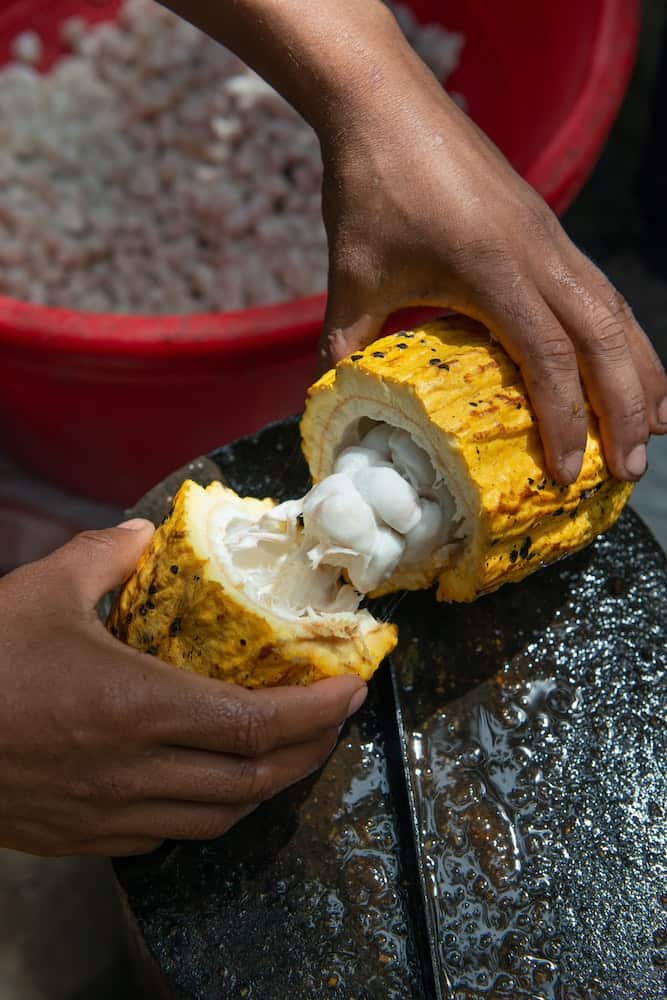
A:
x: 331, y: 59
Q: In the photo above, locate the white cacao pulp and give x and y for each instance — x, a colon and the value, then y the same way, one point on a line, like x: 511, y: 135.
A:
x: 379, y: 509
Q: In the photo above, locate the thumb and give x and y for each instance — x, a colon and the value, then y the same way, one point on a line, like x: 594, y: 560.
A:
x: 94, y: 562
x: 342, y: 333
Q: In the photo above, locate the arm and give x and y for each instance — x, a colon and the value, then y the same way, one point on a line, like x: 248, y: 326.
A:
x: 421, y: 208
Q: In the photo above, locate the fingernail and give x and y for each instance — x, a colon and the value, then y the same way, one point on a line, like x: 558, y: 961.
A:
x: 135, y: 524
x: 571, y: 465
x: 358, y: 698
x: 662, y: 411
x: 635, y: 461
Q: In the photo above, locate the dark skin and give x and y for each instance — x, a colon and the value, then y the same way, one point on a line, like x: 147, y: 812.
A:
x: 104, y: 750
x: 422, y: 209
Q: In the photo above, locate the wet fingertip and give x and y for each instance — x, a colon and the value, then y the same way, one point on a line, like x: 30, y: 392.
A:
x: 136, y: 524
x: 570, y: 467
x: 356, y: 701
x: 636, y: 462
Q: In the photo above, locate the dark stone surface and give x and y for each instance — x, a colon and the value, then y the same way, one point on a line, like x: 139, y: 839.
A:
x: 523, y: 839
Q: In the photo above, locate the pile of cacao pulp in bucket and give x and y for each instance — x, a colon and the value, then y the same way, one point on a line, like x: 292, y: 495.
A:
x: 152, y: 172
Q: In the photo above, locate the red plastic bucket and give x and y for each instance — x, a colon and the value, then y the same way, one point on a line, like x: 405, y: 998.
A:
x: 107, y: 405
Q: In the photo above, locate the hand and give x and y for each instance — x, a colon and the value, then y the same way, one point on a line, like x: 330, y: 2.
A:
x: 422, y: 209
x: 104, y: 750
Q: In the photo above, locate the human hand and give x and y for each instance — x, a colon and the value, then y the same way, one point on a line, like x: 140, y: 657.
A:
x: 104, y: 750
x: 422, y: 209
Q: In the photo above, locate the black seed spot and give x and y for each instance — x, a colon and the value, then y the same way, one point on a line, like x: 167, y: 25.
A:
x: 617, y: 586
x: 128, y: 617
x: 597, y: 487
x: 531, y: 482
x: 435, y: 361
x: 472, y: 404
x: 514, y: 555
x: 143, y: 610
x: 150, y: 605
x: 196, y: 578
x: 558, y: 512
x: 401, y: 347
x: 401, y: 333
x: 518, y: 406
x: 243, y: 642
x: 152, y: 650
x: 378, y: 354
x: 584, y: 495
x: 356, y: 357
x: 175, y: 627
x: 299, y: 520
x: 174, y: 569
x: 152, y: 589
x: 443, y: 364
x: 525, y: 548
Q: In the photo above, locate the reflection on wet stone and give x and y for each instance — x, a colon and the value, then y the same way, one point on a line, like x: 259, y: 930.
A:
x: 534, y: 750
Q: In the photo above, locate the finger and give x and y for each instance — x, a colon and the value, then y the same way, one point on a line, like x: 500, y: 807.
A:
x: 221, y: 779
x: 119, y: 847
x: 165, y: 820
x: 611, y: 379
x: 536, y: 341
x: 652, y: 376
x: 649, y: 367
x: 188, y: 710
x: 94, y: 562
x: 349, y: 323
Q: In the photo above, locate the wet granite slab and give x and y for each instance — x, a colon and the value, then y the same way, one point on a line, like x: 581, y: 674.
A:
x: 491, y: 824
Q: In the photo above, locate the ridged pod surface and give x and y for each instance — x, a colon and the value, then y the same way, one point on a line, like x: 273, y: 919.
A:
x: 462, y: 398
x: 180, y: 607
